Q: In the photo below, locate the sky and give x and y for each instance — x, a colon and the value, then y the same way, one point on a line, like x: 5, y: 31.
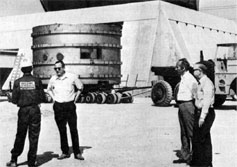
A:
x: 19, y: 7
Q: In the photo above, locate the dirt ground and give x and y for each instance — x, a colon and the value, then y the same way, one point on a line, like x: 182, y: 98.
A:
x: 121, y: 135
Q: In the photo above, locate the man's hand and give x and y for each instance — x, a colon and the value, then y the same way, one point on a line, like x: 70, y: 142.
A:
x: 200, y: 122
x: 77, y: 96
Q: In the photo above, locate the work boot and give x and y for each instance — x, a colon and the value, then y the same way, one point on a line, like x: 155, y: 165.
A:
x: 79, y: 157
x: 11, y: 164
x: 179, y: 161
x: 32, y: 164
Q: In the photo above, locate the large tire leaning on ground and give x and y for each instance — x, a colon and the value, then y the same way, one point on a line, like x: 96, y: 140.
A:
x: 161, y: 93
x: 219, y: 100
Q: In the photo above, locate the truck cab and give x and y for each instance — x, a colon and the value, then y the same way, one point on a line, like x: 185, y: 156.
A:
x: 225, y: 72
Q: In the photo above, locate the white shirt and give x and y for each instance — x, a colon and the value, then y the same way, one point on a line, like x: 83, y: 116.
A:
x: 205, y: 95
x: 187, y: 87
x: 63, y: 88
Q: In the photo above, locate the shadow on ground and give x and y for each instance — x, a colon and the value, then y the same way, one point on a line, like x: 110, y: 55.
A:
x: 45, y: 157
x: 49, y: 155
x: 227, y: 107
x: 2, y: 100
x: 42, y: 158
x: 82, y: 148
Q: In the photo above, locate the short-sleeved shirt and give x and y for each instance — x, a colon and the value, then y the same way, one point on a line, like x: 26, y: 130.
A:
x: 205, y: 93
x: 63, y: 88
x: 187, y: 87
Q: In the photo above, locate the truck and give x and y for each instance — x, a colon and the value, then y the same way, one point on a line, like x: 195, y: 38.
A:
x: 225, y: 72
x: 154, y: 35
x: 222, y: 71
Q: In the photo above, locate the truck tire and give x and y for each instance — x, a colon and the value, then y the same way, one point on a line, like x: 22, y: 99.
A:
x: 161, y: 93
x: 219, y: 100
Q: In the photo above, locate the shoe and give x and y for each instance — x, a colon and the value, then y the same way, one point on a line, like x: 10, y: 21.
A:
x: 179, y: 161
x: 11, y: 164
x: 63, y: 156
x: 199, y: 165
x: 32, y: 165
x: 179, y: 155
x: 79, y: 157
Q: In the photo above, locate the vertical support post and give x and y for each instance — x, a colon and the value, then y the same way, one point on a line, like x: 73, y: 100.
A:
x: 201, y: 56
x: 127, y: 80
x: 136, y: 80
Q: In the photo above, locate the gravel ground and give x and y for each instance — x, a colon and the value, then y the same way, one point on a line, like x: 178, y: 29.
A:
x: 121, y: 135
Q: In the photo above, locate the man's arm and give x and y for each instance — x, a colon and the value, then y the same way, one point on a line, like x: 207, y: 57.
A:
x: 79, y: 87
x: 77, y: 95
x: 208, y: 90
x: 15, y: 93
x: 41, y: 92
x: 50, y: 89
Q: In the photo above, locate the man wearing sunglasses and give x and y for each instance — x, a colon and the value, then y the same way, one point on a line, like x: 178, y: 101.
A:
x: 61, y: 88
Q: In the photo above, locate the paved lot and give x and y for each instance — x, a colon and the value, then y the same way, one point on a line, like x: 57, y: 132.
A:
x: 121, y: 135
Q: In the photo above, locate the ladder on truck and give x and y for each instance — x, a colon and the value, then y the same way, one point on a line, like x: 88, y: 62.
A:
x: 16, y: 71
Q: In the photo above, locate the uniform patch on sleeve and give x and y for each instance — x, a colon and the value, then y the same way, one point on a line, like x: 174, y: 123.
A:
x: 27, y: 85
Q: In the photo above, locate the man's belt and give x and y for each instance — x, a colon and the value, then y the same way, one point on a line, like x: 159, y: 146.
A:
x: 64, y: 102
x: 184, y: 101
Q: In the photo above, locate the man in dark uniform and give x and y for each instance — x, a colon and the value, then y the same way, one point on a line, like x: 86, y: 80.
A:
x: 27, y: 94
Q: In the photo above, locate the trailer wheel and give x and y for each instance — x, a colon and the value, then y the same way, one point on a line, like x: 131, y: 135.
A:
x: 111, y: 98
x: 219, y: 100
x: 131, y: 99
x: 126, y: 97
x: 119, y: 95
x: 101, y: 98
x: 81, y: 99
x: 161, y: 93
x: 90, y: 98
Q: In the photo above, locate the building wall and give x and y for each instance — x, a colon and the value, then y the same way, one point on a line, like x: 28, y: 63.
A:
x: 221, y: 8
x: 154, y: 33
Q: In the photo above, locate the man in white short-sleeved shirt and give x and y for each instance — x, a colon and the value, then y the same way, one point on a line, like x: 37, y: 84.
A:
x: 61, y: 88
x: 185, y: 98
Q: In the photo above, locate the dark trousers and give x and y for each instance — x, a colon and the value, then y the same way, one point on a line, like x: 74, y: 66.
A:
x: 65, y: 113
x: 186, y: 120
x: 29, y: 118
x: 202, y: 146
